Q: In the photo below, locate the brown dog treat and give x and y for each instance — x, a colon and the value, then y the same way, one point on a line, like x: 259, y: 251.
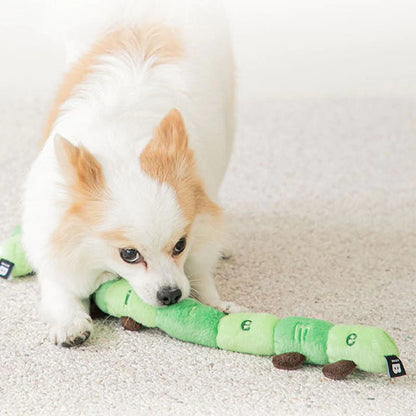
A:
x: 288, y: 361
x: 339, y: 370
x: 130, y: 324
x: 95, y: 311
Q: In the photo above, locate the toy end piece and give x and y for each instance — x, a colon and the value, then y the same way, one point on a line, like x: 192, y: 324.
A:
x: 395, y: 367
x: 11, y: 251
x: 366, y: 346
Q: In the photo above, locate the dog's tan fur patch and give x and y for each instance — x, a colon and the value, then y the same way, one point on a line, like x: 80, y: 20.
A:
x: 86, y: 188
x: 117, y: 238
x: 167, y: 158
x: 154, y: 41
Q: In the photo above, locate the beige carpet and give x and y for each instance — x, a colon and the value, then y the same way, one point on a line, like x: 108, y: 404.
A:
x: 321, y: 197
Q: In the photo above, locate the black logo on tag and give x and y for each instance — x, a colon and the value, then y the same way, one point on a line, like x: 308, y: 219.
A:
x: 6, y: 268
x: 395, y: 367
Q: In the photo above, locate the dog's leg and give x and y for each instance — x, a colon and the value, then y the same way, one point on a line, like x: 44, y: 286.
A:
x: 206, y: 292
x: 66, y: 313
x: 198, y: 269
x: 226, y: 251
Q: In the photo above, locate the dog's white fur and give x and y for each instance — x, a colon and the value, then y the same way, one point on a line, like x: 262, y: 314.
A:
x: 112, y: 114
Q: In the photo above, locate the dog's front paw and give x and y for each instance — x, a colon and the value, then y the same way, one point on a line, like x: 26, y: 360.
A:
x: 73, y: 333
x: 230, y: 307
x: 226, y: 253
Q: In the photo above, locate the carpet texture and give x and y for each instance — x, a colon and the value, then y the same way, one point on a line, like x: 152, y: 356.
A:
x: 321, y: 199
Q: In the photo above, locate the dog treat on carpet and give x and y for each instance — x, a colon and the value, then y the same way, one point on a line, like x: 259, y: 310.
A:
x: 291, y: 341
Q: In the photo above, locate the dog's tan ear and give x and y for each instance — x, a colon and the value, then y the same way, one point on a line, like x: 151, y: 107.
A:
x: 171, y: 132
x: 167, y: 156
x: 79, y: 166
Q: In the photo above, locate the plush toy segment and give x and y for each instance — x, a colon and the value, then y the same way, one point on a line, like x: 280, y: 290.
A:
x: 117, y: 298
x: 362, y: 344
x: 247, y: 332
x: 303, y: 335
x: 190, y: 321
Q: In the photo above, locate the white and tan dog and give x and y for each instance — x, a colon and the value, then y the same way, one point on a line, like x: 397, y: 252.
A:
x: 136, y: 146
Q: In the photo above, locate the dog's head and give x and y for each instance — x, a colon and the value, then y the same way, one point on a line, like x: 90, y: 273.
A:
x: 137, y: 217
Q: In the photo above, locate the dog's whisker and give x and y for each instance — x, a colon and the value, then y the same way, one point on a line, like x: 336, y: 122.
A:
x: 107, y: 318
x: 194, y: 294
x: 195, y: 279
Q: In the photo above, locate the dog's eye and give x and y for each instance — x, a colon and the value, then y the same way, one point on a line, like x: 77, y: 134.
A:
x: 130, y: 255
x: 179, y: 246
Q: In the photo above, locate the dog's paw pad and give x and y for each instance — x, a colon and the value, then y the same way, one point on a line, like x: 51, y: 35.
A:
x: 226, y: 253
x: 231, y: 307
x: 74, y: 333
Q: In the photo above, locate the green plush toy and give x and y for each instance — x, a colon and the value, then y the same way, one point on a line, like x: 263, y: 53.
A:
x: 292, y: 341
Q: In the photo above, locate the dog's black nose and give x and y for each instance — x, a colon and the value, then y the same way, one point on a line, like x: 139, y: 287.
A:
x: 168, y: 295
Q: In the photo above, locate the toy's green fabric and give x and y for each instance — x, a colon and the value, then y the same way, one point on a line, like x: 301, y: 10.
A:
x: 251, y: 333
x: 120, y: 302
x: 362, y: 344
x: 255, y: 333
x: 304, y: 335
x: 12, y: 250
x: 313, y: 340
x: 189, y: 321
